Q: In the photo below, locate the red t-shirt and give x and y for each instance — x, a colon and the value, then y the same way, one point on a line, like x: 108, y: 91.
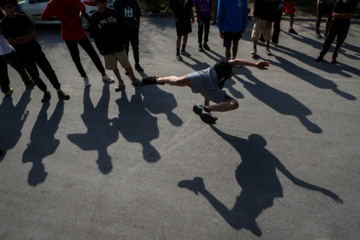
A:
x: 68, y: 11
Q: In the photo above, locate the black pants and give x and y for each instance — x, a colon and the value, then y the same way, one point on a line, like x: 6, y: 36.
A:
x: 276, y: 32
x: 31, y: 58
x: 201, y: 27
x: 133, y: 38
x: 337, y: 29
x: 89, y: 49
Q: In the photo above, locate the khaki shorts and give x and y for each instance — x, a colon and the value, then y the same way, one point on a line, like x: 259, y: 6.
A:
x: 261, y: 26
x: 112, y: 59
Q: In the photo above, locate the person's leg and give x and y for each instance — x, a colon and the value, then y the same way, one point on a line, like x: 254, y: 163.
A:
x: 318, y: 18
x: 72, y: 45
x: 329, y: 40
x: 235, y: 49
x: 13, y: 60
x: 228, y: 105
x: 327, y: 24
x: 134, y: 40
x: 174, y: 81
x: 276, y: 32
x: 200, y: 32
x: 45, y: 66
x: 339, y: 41
x: 185, y: 38
x: 31, y: 68
x: 89, y: 49
x: 4, y: 77
x: 227, y: 52
x: 227, y: 44
x: 207, y: 30
x: 291, y: 21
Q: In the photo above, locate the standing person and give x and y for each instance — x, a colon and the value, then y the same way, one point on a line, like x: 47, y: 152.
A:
x: 110, y: 38
x: 130, y: 13
x: 8, y: 56
x: 181, y: 11
x: 20, y: 32
x: 342, y: 14
x: 276, y: 24
x: 209, y: 84
x: 323, y: 6
x: 214, y: 11
x: 69, y: 12
x: 203, y: 17
x: 232, y: 20
x: 264, y: 15
x: 289, y: 7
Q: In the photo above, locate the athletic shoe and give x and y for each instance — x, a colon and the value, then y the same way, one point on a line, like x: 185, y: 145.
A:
x: 333, y: 60
x: 8, y: 94
x: 185, y: 53
x: 47, y: 97
x: 200, y: 48
x: 318, y: 35
x: 204, y: 114
x: 206, y: 47
x: 253, y: 52
x: 136, y: 82
x: 31, y: 84
x: 150, y: 80
x: 267, y: 51
x: 138, y: 67
x: 62, y: 95
x: 319, y: 59
x: 86, y: 82
x: 178, y: 57
x: 120, y: 86
x: 292, y: 31
x: 326, y: 34
x: 107, y: 79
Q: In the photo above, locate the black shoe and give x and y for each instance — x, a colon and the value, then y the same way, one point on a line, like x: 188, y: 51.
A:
x: 150, y: 80
x: 204, y: 114
x: 47, y: 97
x: 206, y: 47
x: 178, y: 57
x: 138, y: 67
x: 62, y: 95
x: 200, y: 48
x: 292, y: 31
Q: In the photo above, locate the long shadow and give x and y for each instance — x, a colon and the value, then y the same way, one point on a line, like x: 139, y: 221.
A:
x: 42, y: 142
x: 136, y: 124
x: 280, y: 101
x: 312, y: 78
x: 164, y: 102
x: 257, y: 177
x: 101, y: 131
x: 12, y: 120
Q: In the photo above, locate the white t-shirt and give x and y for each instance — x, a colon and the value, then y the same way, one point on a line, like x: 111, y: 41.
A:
x: 5, y: 48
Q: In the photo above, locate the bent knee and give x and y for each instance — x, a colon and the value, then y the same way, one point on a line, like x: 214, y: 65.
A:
x: 234, y: 104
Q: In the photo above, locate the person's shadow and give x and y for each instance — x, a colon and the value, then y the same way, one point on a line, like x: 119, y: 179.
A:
x: 257, y: 177
x: 42, y: 142
x: 279, y: 101
x: 102, y: 132
x: 12, y: 121
x: 136, y: 124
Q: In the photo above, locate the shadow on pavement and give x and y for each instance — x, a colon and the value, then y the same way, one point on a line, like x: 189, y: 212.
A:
x: 257, y: 177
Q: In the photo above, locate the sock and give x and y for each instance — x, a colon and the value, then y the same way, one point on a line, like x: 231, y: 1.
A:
x: 177, y: 51
x: 183, y: 48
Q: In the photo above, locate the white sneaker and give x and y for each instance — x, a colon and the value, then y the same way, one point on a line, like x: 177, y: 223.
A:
x: 107, y: 79
x: 86, y: 82
x: 253, y: 52
x: 120, y: 87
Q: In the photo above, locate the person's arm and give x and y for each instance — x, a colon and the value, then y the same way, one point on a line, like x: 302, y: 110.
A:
x: 137, y: 19
x: 262, y: 65
x: 342, y: 15
x: 48, y: 14
x: 22, y: 39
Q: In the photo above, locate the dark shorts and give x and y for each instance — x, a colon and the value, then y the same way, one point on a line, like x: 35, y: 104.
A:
x: 231, y: 37
x: 183, y: 27
x: 324, y: 9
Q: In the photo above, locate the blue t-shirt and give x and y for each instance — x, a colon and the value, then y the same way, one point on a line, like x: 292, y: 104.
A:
x: 232, y: 15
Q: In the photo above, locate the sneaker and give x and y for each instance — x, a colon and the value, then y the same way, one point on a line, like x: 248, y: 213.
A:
x: 120, y: 86
x: 333, y: 60
x: 178, y: 57
x: 319, y: 59
x: 107, y: 79
x: 200, y: 48
x: 126, y: 73
x: 267, y: 51
x: 62, y: 95
x: 47, y: 97
x: 185, y: 53
x: 86, y: 82
x: 204, y: 114
x: 150, y: 80
x: 253, y: 52
x: 136, y: 83
x: 31, y: 84
x: 318, y: 35
x: 326, y: 34
x: 206, y: 47
x: 138, y: 67
x: 292, y: 31
x: 8, y: 94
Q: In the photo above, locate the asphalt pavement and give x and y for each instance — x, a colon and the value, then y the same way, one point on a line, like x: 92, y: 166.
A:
x: 140, y: 164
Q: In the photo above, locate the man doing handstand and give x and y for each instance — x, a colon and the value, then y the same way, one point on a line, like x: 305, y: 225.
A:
x: 209, y: 83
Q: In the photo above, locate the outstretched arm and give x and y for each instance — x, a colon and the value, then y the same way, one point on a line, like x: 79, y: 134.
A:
x: 263, y: 65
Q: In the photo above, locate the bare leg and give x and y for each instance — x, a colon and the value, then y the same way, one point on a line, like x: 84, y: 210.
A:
x: 174, y: 81
x: 178, y: 41
x: 227, y: 52
x: 317, y: 24
x: 131, y: 73
x: 117, y: 74
x: 228, y: 105
x: 291, y: 21
x: 235, y: 49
